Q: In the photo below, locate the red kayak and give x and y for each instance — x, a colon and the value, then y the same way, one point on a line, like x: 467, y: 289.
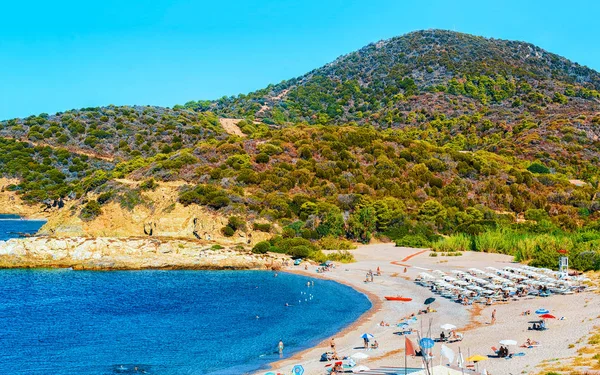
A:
x: 403, y: 299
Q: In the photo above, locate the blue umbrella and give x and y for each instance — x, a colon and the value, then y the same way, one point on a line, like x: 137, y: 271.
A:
x: 298, y: 370
x: 426, y: 343
x: 542, y: 311
x: 402, y: 324
x: 367, y: 336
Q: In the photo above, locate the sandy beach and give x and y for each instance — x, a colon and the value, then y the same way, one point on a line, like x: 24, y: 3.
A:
x: 581, y: 314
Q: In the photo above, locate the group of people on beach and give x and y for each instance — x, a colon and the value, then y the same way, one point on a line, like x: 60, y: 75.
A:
x: 369, y: 278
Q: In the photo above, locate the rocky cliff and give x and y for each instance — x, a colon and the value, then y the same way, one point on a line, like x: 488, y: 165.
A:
x: 132, y: 253
x: 157, y: 215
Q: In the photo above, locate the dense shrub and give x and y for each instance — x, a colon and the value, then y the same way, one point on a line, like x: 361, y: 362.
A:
x: 456, y: 242
x: 261, y: 247
x: 149, y: 184
x: 227, y: 231
x: 236, y: 223
x: 262, y: 227
x: 341, y: 256
x: 208, y: 195
x: 105, y: 197
x: 586, y: 261
x: 90, y: 211
x: 538, y: 168
x: 413, y: 240
x: 300, y: 251
x: 334, y: 243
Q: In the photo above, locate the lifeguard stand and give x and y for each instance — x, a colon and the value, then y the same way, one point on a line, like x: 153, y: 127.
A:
x: 563, y: 267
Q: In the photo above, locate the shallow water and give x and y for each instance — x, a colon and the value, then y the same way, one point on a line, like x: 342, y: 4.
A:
x: 163, y: 322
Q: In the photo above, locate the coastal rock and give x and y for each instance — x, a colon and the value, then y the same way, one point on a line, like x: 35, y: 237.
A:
x: 133, y: 253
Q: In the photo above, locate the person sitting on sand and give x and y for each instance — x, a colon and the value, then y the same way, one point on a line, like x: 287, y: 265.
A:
x: 502, y: 352
x: 529, y: 343
x: 454, y: 336
x: 375, y: 345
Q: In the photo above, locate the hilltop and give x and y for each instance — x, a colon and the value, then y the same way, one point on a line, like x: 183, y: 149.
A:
x: 372, y: 85
x: 431, y: 133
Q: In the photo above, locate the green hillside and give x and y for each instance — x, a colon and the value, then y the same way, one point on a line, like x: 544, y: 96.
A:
x: 426, y: 135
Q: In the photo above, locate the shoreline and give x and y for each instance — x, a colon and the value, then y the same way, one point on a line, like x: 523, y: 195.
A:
x: 376, y: 305
x: 561, y: 343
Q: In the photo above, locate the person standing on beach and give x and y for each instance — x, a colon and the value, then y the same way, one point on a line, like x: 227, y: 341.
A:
x: 332, y: 344
x: 493, y: 316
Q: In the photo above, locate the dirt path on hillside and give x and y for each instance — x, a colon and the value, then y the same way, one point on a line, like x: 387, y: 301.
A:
x: 230, y: 126
x: 71, y: 149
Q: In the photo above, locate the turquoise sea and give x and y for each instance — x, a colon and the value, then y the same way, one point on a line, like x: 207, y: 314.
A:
x: 163, y: 322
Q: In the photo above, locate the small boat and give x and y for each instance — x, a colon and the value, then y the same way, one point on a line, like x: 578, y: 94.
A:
x: 403, y: 299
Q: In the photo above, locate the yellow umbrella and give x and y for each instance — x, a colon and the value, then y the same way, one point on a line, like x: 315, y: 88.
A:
x: 476, y: 358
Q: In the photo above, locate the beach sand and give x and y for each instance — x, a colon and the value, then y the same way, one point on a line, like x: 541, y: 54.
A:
x: 561, y: 341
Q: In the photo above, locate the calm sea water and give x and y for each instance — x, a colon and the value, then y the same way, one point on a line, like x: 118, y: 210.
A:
x: 163, y: 322
x: 11, y: 226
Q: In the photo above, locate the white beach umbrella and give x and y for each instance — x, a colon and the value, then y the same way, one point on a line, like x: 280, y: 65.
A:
x: 360, y: 368
x: 507, y: 342
x: 447, y: 327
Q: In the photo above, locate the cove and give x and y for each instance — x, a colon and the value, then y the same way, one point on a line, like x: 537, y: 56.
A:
x: 164, y: 322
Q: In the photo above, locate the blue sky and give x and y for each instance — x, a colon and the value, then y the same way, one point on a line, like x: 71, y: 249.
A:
x: 59, y: 55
